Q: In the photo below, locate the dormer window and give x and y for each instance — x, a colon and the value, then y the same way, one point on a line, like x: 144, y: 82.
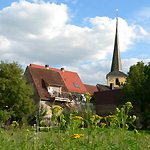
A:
x: 76, y: 85
x: 54, y: 91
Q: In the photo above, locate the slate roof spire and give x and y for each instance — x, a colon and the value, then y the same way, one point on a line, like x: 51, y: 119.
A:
x: 116, y: 61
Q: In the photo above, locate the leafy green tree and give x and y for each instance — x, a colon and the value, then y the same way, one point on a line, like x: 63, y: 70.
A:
x: 14, y: 92
x: 137, y: 89
x: 4, y: 115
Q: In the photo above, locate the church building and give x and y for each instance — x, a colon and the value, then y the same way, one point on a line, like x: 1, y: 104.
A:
x: 116, y: 76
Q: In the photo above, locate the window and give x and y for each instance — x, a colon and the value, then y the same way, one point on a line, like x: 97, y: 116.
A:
x: 51, y: 90
x: 117, y: 81
x: 54, y: 91
x: 111, y: 79
x: 76, y: 85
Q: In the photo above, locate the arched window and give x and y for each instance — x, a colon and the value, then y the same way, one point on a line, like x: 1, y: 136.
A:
x: 117, y: 81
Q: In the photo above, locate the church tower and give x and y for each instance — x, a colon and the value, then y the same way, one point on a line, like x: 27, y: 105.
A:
x: 116, y: 76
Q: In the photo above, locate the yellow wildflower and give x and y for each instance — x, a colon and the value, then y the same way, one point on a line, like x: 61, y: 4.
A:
x: 57, y: 108
x: 134, y: 117
x: 93, y: 116
x: 127, y: 127
x: 81, y: 135
x: 103, y: 125
x: 27, y: 130
x: 129, y: 104
x: 136, y: 131
x: 75, y: 136
x: 78, y: 117
x: 117, y: 109
x: 111, y: 116
x: 15, y: 123
x: 99, y: 117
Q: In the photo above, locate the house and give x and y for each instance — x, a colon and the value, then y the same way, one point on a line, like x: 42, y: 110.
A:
x: 53, y: 86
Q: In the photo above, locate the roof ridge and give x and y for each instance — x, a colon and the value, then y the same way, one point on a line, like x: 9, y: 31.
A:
x: 50, y: 68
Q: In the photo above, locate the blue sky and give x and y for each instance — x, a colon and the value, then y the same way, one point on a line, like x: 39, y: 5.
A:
x: 74, y: 34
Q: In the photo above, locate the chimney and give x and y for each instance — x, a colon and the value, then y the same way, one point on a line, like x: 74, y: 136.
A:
x: 62, y: 69
x: 112, y: 86
x: 47, y: 66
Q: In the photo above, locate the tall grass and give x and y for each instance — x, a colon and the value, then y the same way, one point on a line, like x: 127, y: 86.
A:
x: 70, y: 135
x: 105, y: 139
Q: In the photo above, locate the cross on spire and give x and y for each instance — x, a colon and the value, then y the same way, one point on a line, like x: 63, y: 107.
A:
x: 117, y: 12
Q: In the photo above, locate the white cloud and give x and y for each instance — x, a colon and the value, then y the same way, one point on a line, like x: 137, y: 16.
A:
x: 96, y: 72
x: 4, y: 43
x: 39, y: 33
x: 143, y: 32
x: 107, y: 26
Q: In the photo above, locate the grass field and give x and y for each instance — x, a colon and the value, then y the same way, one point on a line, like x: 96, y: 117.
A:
x: 98, y: 139
x: 73, y: 132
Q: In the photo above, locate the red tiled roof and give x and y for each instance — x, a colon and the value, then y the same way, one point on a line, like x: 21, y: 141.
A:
x: 91, y: 88
x: 69, y: 79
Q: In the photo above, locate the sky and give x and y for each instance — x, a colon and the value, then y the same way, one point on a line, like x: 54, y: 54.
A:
x: 74, y: 34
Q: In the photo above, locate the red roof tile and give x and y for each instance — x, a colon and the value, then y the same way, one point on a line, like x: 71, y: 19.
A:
x: 69, y: 79
x: 91, y: 88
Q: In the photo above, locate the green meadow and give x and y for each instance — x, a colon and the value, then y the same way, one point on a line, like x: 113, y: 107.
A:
x: 55, y: 139
x: 74, y: 132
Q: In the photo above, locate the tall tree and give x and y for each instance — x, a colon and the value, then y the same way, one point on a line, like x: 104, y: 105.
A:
x: 14, y: 92
x: 137, y: 89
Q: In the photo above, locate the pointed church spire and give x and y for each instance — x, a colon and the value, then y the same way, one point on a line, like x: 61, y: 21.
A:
x: 116, y: 61
x: 116, y: 76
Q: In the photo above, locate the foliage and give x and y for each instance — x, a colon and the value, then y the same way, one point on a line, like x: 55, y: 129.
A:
x: 76, y: 121
x: 42, y: 123
x: 58, y: 117
x: 4, y: 115
x: 14, y: 124
x: 95, y: 120
x: 75, y: 95
x: 137, y: 89
x: 88, y: 97
x: 121, y: 117
x: 42, y: 112
x: 14, y: 92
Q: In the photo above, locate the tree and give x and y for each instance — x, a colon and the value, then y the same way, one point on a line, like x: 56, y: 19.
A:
x: 14, y: 92
x: 137, y: 90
